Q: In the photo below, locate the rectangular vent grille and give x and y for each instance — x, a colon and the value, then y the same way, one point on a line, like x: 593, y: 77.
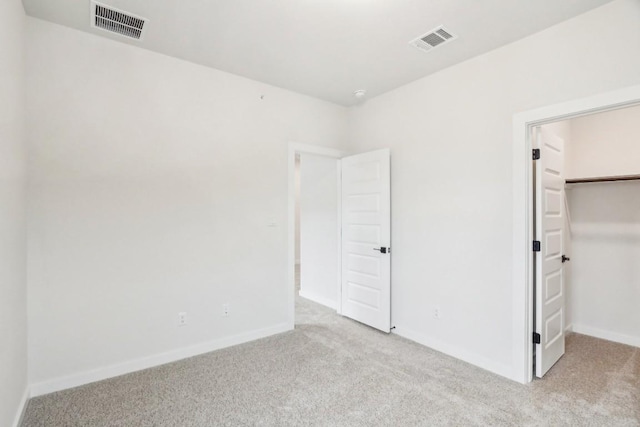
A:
x: 117, y: 21
x: 434, y: 38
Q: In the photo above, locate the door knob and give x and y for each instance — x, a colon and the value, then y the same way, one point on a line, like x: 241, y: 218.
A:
x: 565, y: 259
x: 382, y: 250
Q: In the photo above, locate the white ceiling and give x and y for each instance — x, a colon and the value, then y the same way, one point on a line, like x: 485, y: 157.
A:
x: 323, y: 48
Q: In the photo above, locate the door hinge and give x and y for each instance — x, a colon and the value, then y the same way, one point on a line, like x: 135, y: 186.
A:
x: 536, y: 338
x: 536, y: 154
x: 536, y: 246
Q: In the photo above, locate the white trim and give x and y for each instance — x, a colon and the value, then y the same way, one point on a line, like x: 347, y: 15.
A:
x: 297, y: 148
x: 458, y: 352
x: 22, y: 407
x: 339, y: 247
x: 318, y: 299
x: 106, y: 372
x: 607, y: 335
x: 521, y: 167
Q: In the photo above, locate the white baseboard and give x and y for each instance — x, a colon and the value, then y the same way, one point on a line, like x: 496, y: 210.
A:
x: 106, y: 372
x: 21, y: 408
x: 568, y: 328
x: 459, y: 353
x: 607, y: 335
x: 316, y: 298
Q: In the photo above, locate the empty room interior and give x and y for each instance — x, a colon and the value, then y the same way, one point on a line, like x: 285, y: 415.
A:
x: 337, y: 213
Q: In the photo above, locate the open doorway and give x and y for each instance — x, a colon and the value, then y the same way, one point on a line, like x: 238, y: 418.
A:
x: 586, y: 209
x: 542, y: 238
x: 317, y: 229
x: 340, y: 224
x: 314, y: 226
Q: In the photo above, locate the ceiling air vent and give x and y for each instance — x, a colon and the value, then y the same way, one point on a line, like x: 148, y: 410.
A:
x: 117, y: 21
x: 433, y: 38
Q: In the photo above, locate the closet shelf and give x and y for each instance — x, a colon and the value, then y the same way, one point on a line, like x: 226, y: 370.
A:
x: 604, y: 179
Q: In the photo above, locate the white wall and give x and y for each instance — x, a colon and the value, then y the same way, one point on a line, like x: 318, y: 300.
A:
x: 319, y: 229
x: 450, y: 136
x: 609, y: 144
x: 606, y: 226
x: 157, y: 186
x: 13, y: 285
x: 605, y: 219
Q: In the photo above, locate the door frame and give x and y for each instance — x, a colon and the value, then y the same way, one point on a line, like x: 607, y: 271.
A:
x: 522, y: 255
x: 294, y: 149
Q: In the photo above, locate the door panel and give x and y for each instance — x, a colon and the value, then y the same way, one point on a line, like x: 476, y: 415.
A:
x: 366, y: 226
x: 550, y: 309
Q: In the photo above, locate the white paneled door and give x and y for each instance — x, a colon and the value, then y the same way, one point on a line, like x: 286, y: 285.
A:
x: 550, y: 292
x: 366, y: 238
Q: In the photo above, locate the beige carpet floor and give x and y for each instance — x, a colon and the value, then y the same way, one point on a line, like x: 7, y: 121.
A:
x: 331, y: 371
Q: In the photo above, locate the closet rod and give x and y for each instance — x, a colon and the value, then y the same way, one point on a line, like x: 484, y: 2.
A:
x: 604, y: 179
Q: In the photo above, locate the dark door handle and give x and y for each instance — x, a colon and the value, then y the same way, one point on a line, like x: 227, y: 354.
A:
x: 382, y: 250
x: 565, y: 259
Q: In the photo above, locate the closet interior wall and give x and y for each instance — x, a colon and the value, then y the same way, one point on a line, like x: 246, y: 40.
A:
x: 603, y: 235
